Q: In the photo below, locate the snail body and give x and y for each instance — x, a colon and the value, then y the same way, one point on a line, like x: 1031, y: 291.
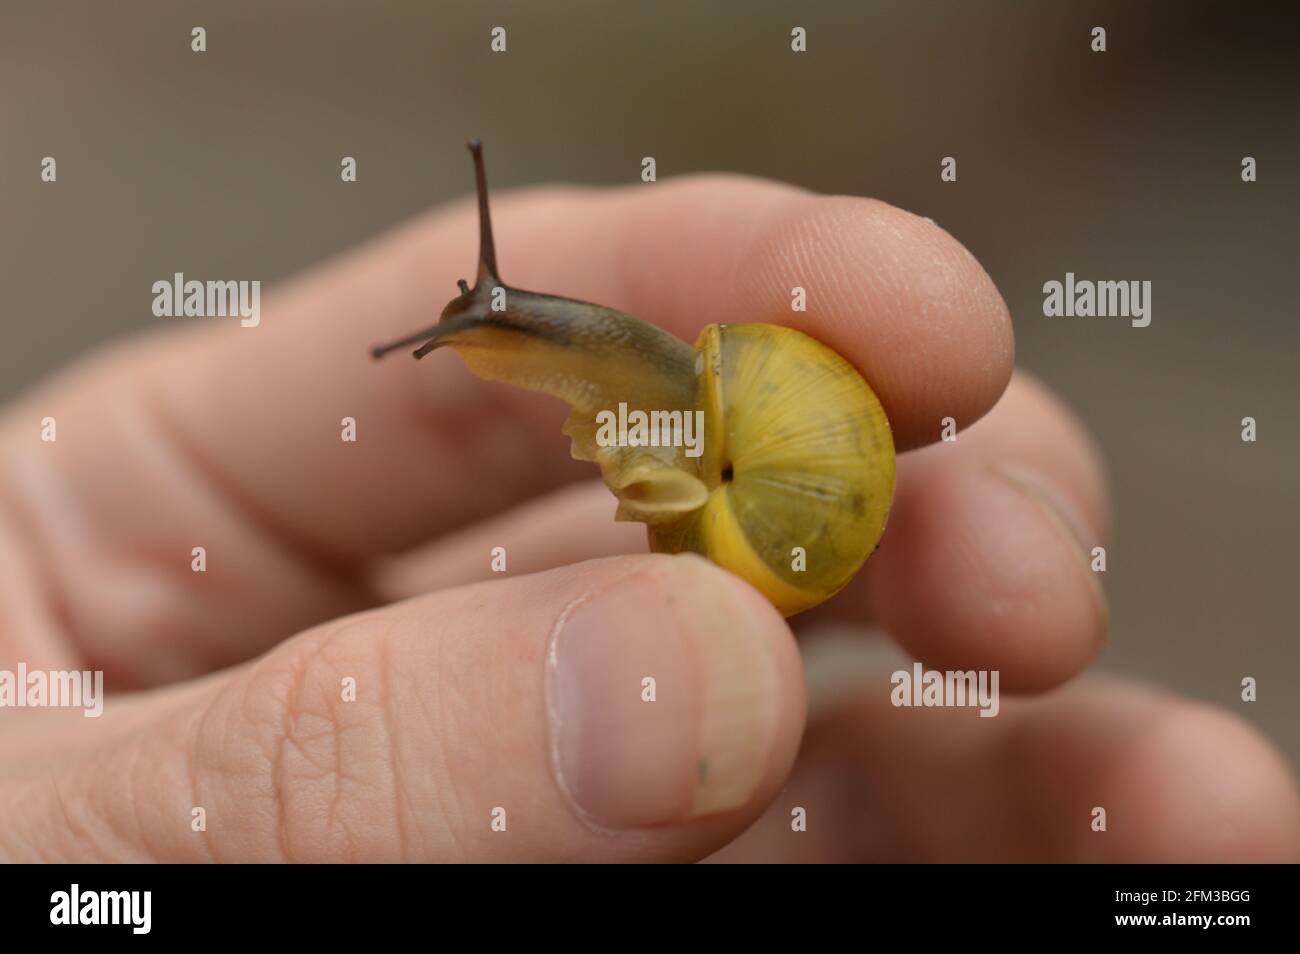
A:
x: 790, y: 479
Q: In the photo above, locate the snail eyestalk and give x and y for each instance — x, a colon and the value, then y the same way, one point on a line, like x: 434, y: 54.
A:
x: 487, y: 250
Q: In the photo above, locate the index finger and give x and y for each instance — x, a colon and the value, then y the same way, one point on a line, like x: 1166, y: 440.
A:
x: 259, y: 410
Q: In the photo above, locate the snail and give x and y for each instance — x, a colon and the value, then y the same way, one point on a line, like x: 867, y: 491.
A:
x: 790, y: 478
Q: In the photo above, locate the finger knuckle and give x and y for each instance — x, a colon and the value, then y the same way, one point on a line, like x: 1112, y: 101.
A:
x: 301, y: 749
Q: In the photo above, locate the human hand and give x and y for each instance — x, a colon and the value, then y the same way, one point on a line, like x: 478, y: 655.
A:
x: 476, y: 693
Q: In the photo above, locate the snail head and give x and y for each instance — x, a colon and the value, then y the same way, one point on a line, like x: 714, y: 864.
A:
x: 474, y: 307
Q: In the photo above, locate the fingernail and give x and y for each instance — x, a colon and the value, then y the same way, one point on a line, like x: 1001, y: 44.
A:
x: 663, y: 696
x: 1062, y: 516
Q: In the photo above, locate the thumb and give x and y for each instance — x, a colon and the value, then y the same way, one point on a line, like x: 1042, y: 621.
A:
x: 643, y: 707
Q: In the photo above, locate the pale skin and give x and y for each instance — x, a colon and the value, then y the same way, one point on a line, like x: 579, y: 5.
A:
x: 229, y: 680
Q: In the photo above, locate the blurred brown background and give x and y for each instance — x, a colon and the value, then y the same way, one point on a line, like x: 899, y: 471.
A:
x: 1122, y: 165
